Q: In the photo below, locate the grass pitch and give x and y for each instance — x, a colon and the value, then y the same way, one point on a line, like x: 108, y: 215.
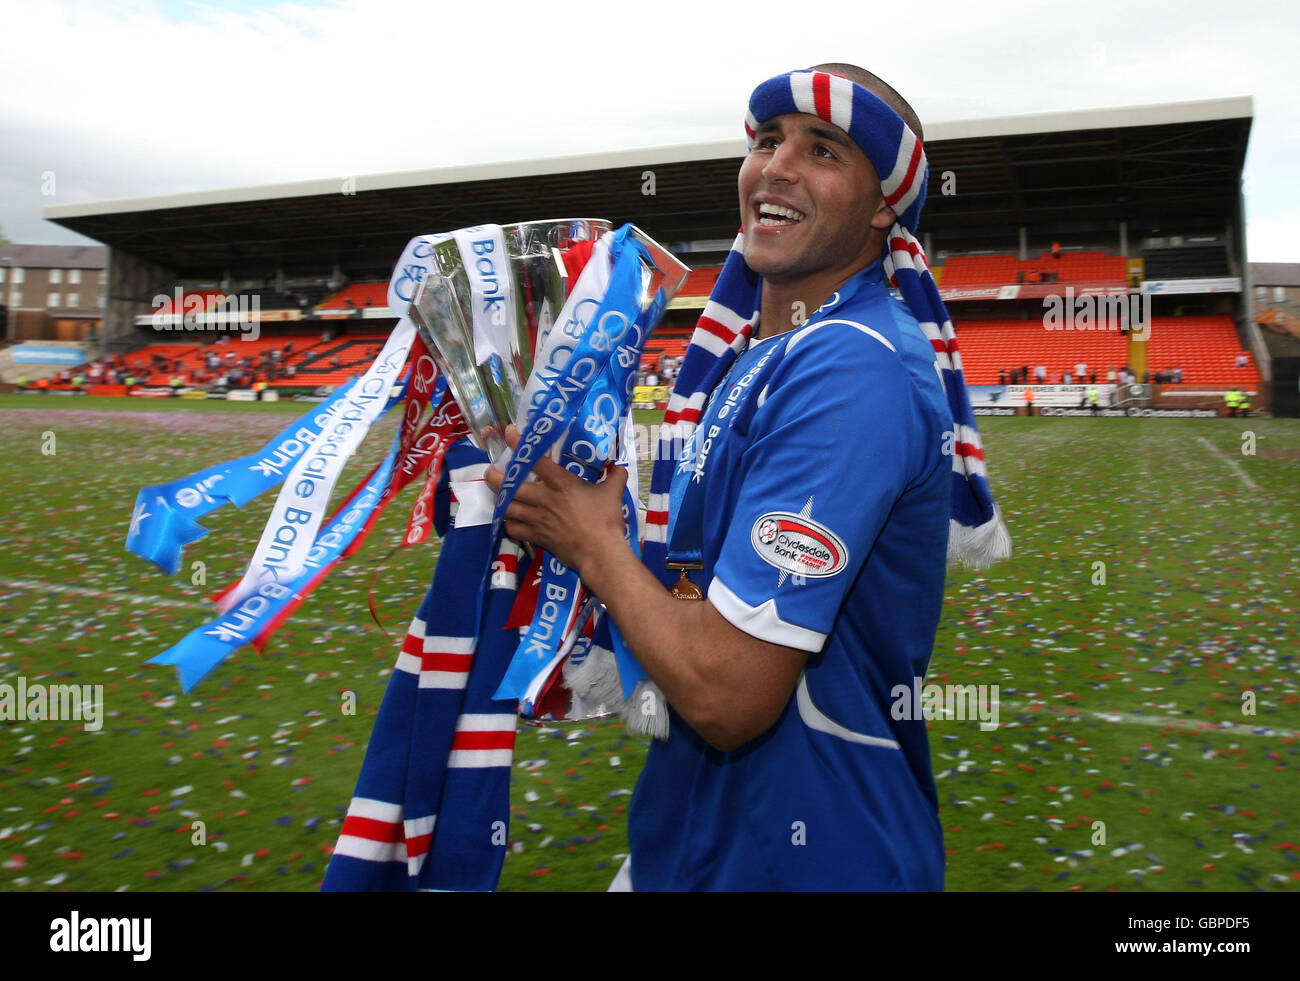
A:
x: 1143, y: 638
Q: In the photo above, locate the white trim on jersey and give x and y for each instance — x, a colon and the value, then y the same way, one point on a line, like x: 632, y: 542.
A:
x: 826, y: 323
x: 762, y: 621
x: 815, y: 718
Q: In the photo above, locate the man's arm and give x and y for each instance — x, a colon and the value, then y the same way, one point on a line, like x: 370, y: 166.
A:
x: 728, y: 686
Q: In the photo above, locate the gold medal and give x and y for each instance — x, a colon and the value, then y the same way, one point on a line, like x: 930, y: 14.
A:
x: 683, y: 588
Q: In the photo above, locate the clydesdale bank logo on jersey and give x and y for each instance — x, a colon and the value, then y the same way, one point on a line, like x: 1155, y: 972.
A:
x: 798, y: 545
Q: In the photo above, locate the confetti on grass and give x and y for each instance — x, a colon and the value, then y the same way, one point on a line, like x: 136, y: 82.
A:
x: 1122, y: 759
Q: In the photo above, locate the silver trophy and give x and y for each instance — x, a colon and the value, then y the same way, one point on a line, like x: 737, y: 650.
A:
x: 490, y: 299
x: 486, y: 309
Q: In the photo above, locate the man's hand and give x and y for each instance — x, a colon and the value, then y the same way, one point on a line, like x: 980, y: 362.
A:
x: 730, y: 687
x: 564, y: 514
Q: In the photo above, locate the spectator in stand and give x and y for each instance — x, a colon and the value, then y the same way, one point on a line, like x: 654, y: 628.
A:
x: 290, y: 371
x: 1041, y: 374
x: 1024, y: 374
x: 1242, y: 360
x: 1178, y: 375
x: 1081, y: 371
x: 1066, y: 379
x: 1110, y: 375
x: 1002, y: 376
x: 336, y: 362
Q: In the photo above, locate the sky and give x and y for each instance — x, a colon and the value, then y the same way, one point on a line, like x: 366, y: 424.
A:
x: 105, y: 100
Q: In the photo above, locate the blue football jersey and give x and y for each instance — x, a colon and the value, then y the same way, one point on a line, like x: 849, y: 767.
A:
x: 823, y: 494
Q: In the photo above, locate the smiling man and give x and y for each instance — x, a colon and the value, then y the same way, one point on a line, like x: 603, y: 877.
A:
x: 811, y: 516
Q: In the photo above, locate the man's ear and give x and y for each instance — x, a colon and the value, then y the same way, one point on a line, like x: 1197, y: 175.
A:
x: 884, y: 218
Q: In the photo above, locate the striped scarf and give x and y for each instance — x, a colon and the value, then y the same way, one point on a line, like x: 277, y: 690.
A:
x: 432, y: 804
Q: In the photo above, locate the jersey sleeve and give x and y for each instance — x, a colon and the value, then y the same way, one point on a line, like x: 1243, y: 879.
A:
x: 834, y: 441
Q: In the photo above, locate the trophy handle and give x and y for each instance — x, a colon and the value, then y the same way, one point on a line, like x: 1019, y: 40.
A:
x: 666, y: 271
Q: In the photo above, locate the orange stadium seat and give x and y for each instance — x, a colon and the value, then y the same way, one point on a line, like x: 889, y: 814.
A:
x: 701, y: 281
x: 360, y: 294
x: 1004, y: 270
x: 1206, y: 348
x: 988, y: 345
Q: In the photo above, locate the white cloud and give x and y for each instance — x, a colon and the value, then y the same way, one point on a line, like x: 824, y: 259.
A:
x: 134, y: 99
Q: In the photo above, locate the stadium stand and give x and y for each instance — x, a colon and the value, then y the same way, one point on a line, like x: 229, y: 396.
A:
x: 357, y: 296
x: 144, y: 357
x: 990, y: 345
x: 1185, y: 262
x: 1205, y: 348
x: 1092, y: 267
x: 700, y: 282
x: 1103, y: 188
x: 317, y: 366
x: 668, y: 341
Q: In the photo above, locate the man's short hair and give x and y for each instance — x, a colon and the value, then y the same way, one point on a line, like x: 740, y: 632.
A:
x: 877, y: 86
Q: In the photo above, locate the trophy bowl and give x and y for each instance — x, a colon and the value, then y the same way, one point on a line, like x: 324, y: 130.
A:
x: 487, y: 374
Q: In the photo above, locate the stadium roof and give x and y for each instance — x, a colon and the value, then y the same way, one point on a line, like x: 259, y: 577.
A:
x: 1175, y: 164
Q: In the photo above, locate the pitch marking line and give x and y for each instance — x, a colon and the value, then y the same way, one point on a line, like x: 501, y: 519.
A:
x: 135, y: 599
x: 1196, y: 726
x: 1229, y: 461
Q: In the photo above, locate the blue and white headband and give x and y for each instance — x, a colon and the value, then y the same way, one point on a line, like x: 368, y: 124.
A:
x: 889, y: 143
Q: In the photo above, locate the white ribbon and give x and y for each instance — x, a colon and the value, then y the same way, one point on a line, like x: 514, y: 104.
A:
x: 300, y: 509
x: 483, y: 252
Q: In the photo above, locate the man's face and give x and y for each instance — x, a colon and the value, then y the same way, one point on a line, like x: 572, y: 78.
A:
x: 810, y: 202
